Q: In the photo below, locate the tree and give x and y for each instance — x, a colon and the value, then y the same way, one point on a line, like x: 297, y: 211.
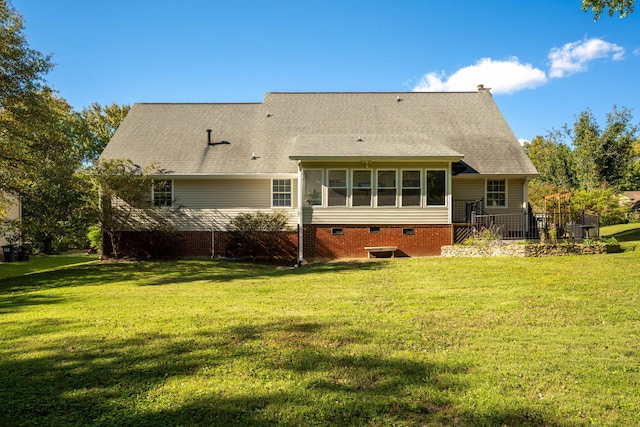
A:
x: 552, y: 159
x: 125, y: 206
x: 100, y: 124
x: 621, y: 7
x: 53, y: 193
x: 605, y: 157
x: 22, y: 87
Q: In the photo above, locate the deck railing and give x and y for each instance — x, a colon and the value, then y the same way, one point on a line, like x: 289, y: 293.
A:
x: 529, y: 226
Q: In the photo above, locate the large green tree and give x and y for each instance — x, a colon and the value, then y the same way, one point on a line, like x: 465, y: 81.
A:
x: 605, y: 156
x: 552, y: 159
x: 598, y: 7
x: 54, y: 193
x: 100, y: 124
x: 22, y: 87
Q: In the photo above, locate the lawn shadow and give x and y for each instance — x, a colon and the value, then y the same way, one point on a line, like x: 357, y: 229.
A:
x: 323, y: 380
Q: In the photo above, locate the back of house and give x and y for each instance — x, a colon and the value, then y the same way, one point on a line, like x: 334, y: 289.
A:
x: 355, y: 172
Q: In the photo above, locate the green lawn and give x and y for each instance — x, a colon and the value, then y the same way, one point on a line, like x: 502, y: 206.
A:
x: 432, y: 341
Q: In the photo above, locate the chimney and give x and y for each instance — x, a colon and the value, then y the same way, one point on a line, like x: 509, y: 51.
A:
x: 208, y: 136
x: 480, y: 87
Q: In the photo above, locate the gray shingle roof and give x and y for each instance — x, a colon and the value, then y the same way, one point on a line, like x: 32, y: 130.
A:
x: 303, y: 125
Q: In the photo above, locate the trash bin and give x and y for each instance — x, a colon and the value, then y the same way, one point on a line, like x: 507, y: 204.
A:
x: 10, y: 253
x: 23, y: 252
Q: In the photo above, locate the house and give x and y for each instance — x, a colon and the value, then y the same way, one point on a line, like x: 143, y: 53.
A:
x: 633, y: 199
x: 352, y: 170
x: 10, y: 211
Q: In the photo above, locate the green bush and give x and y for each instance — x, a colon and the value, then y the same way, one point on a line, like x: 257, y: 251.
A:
x: 260, y: 234
x: 95, y: 236
x: 601, y: 201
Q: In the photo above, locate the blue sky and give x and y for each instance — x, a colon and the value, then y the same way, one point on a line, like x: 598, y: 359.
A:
x: 545, y: 61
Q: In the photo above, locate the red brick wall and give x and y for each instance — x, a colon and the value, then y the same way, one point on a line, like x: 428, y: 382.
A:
x: 319, y: 242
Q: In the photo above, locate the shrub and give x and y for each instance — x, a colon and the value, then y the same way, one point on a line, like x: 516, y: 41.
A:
x: 259, y: 234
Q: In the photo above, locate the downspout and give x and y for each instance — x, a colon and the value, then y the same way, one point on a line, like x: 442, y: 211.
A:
x: 300, y: 214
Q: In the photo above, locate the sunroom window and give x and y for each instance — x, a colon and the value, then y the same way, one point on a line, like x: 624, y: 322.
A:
x: 387, y: 188
x: 313, y: 187
x: 411, y: 188
x: 361, y: 191
x: 436, y: 188
x: 337, y: 188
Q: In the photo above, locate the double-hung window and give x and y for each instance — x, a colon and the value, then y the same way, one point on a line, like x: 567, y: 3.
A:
x: 281, y: 193
x: 162, y: 192
x: 387, y: 188
x: 411, y: 188
x: 436, y: 187
x: 361, y: 188
x: 497, y: 193
x: 337, y: 187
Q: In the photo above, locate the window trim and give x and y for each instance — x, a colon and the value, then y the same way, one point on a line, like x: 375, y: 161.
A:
x: 290, y: 192
x: 426, y: 188
x: 153, y: 193
x: 486, y: 194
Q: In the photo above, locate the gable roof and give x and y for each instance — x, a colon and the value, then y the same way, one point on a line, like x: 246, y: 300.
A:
x: 267, y: 137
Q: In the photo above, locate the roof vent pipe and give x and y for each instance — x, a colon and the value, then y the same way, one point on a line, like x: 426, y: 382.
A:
x: 208, y: 136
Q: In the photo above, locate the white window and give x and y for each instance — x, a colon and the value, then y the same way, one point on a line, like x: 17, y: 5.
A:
x: 496, y: 193
x: 337, y: 188
x: 162, y: 192
x: 313, y: 187
x: 281, y: 193
x: 361, y: 188
x: 411, y: 188
x: 436, y: 188
x: 387, y: 188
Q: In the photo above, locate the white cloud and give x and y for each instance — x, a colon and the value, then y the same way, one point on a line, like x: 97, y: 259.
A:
x: 503, y: 77
x: 573, y: 57
x: 636, y: 51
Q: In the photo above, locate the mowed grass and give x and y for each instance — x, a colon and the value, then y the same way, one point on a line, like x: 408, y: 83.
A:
x: 432, y: 341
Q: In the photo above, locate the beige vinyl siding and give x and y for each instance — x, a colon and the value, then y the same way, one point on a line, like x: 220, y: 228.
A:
x: 206, y: 219
x: 431, y: 215
x: 227, y: 193
x: 475, y: 189
x: 203, y: 204
x: 468, y: 189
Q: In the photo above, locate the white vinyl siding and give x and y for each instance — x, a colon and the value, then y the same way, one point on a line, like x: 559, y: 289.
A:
x: 435, y: 215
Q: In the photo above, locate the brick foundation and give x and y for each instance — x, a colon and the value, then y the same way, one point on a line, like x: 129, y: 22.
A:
x: 320, y: 242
